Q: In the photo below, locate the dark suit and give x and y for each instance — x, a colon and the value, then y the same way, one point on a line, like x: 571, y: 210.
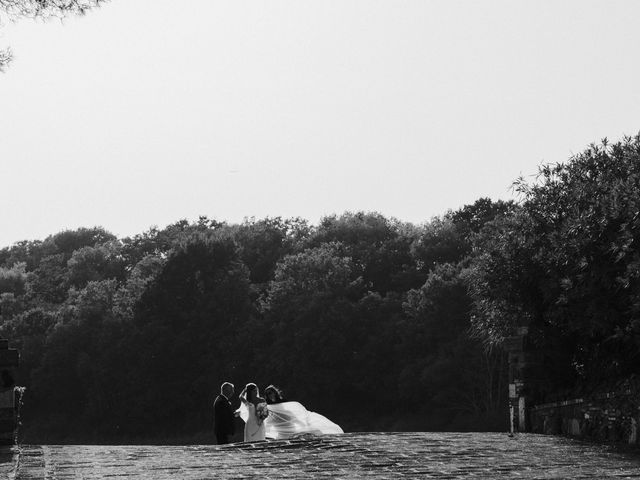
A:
x: 223, y: 419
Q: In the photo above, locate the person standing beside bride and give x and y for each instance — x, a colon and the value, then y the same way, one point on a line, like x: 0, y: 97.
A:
x: 223, y: 414
x: 253, y: 410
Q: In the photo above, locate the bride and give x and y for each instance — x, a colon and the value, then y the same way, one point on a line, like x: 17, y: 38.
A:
x: 253, y: 410
x: 290, y: 419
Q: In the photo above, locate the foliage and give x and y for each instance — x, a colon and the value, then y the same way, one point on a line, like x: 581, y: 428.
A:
x: 161, y: 242
x: 437, y: 349
x: 43, y: 8
x: 335, y: 313
x: 90, y: 264
x: 15, y: 9
x: 380, y: 248
x: 264, y: 242
x: 309, y: 312
x: 13, y: 280
x: 568, y: 265
x: 449, y: 239
x: 376, y: 323
x: 185, y: 322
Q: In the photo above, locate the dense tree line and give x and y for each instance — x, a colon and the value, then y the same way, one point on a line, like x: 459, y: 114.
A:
x: 361, y: 317
x: 380, y: 324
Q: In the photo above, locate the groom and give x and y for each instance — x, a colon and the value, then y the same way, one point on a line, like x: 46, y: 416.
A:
x: 223, y: 414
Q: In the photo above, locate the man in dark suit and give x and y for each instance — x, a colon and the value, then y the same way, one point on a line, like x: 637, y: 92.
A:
x: 223, y: 414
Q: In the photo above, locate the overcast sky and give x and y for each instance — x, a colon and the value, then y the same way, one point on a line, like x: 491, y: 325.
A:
x: 148, y: 111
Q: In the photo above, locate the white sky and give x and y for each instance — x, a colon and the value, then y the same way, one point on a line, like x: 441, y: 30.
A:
x: 148, y: 111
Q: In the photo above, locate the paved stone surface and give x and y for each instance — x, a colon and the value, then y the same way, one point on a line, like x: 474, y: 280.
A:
x: 359, y: 456
x: 8, y: 460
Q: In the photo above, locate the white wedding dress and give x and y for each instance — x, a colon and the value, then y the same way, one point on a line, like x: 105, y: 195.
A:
x: 289, y: 419
x: 254, y: 429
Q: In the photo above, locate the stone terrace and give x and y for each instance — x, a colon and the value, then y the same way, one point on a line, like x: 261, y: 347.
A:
x: 358, y: 455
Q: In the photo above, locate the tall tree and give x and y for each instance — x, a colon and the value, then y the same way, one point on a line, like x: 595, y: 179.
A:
x: 264, y: 242
x: 380, y: 248
x: 309, y: 310
x: 436, y: 347
x: 568, y: 264
x: 185, y: 335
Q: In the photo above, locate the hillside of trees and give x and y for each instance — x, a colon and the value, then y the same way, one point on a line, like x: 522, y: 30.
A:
x: 377, y: 323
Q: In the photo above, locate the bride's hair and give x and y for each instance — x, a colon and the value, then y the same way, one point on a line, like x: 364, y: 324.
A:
x: 250, y: 388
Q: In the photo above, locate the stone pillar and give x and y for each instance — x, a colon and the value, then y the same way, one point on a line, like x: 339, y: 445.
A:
x: 9, y: 360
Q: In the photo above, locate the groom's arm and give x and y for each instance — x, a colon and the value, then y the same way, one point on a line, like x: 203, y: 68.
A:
x: 230, y: 419
x: 217, y: 417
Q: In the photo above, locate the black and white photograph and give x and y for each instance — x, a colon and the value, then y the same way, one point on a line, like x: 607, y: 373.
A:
x: 307, y: 239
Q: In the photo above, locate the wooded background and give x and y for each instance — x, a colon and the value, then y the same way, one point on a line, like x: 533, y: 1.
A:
x: 377, y: 323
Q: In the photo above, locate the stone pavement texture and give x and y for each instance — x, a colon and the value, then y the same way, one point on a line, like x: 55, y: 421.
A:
x: 357, y: 456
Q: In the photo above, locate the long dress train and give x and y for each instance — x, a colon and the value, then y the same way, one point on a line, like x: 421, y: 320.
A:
x: 289, y: 419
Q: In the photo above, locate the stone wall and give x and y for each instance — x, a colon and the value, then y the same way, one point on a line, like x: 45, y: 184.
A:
x: 609, y: 417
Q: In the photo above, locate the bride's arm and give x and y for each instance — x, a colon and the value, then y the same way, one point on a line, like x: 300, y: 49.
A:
x: 243, y: 395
